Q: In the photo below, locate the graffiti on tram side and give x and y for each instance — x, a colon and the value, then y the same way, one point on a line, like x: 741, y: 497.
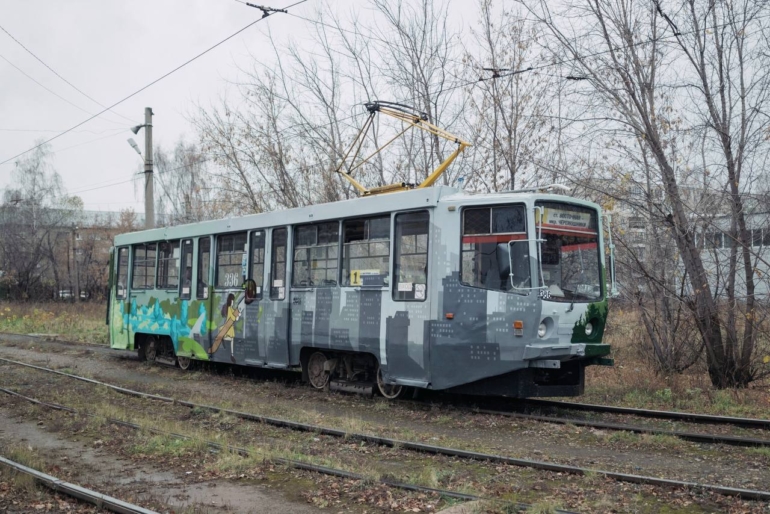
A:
x: 186, y: 322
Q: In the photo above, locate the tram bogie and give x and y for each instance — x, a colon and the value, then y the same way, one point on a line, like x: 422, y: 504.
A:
x: 495, y: 294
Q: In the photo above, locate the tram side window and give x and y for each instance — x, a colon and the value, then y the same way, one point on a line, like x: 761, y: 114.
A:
x: 187, y: 265
x: 278, y: 265
x: 168, y: 265
x: 487, y: 233
x: 411, y: 256
x: 258, y: 260
x: 143, y: 272
x: 315, y: 255
x: 366, y: 252
x: 122, y: 282
x: 231, y: 260
x: 204, y: 264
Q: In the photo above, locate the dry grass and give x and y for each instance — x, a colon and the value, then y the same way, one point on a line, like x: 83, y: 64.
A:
x: 82, y: 321
x: 25, y: 456
x: 633, y: 381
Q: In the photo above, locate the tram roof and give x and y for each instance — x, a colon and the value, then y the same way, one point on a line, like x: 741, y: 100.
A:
x: 353, y: 208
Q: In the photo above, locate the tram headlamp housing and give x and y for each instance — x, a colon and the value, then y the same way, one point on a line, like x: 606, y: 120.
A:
x: 589, y: 329
x: 541, y: 330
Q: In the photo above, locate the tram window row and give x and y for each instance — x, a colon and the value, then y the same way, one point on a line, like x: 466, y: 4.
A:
x: 350, y: 253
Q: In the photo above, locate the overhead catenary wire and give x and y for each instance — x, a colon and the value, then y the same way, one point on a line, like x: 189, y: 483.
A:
x: 54, y: 93
x: 571, y: 76
x: 174, y: 70
x: 73, y: 86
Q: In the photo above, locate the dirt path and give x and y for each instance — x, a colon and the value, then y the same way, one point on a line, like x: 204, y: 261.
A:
x: 92, y: 467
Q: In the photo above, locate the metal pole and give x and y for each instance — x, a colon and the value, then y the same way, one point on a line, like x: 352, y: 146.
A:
x: 149, y: 198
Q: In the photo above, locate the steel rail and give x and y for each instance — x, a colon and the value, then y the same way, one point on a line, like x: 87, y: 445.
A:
x: 75, y: 491
x: 661, y: 414
x: 711, y: 419
x: 278, y: 460
x: 45, y: 338
x: 747, y: 494
x: 695, y: 437
x: 611, y: 409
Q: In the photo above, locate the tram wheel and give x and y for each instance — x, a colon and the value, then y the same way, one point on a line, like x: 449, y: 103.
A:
x: 316, y: 373
x: 184, y: 362
x: 150, y: 349
x: 389, y: 391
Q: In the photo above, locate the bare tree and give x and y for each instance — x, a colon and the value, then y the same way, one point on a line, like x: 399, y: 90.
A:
x: 512, y: 113
x: 185, y: 191
x: 650, y: 77
x: 31, y: 215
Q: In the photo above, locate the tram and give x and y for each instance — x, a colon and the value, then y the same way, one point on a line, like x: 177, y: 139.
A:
x: 499, y: 294
x: 431, y: 287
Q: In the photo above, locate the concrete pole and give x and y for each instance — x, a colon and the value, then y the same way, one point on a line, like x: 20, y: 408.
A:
x: 149, y: 197
x: 75, y: 262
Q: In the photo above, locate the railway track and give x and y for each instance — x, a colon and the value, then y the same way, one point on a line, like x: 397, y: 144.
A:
x: 710, y: 419
x: 75, y: 491
x: 325, y: 470
x: 689, y: 417
x: 698, y: 437
x: 746, y: 494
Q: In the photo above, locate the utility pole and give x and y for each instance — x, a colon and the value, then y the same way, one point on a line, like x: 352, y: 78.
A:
x: 75, y: 262
x: 149, y: 197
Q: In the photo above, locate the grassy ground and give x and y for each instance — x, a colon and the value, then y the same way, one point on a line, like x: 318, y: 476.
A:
x: 632, y: 382
x: 84, y: 321
x: 547, y: 490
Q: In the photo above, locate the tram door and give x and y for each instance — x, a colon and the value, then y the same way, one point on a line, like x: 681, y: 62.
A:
x: 203, y: 294
x: 277, y: 307
x: 120, y: 307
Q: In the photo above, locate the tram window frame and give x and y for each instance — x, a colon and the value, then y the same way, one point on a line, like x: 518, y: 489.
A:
x: 204, y: 271
x: 278, y: 292
x: 494, y: 229
x: 185, y: 253
x: 316, y: 246
x: 231, y: 280
x: 257, y: 259
x: 167, y: 263
x: 399, y: 292
x: 370, y: 237
x: 121, y: 262
x: 143, y: 263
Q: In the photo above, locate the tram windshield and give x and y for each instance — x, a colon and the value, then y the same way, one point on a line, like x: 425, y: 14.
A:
x: 571, y: 261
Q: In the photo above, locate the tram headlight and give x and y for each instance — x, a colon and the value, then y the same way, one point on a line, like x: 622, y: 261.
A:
x: 541, y: 330
x: 589, y: 329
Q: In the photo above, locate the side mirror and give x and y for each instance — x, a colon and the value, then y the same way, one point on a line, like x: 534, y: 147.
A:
x: 518, y: 264
x: 503, y: 255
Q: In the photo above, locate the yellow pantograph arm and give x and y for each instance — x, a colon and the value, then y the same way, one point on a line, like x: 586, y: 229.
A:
x: 412, y: 120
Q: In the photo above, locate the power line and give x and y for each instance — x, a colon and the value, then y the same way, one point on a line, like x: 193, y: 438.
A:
x: 150, y: 84
x: 59, y: 130
x: 57, y: 95
x: 545, y: 66
x: 57, y: 74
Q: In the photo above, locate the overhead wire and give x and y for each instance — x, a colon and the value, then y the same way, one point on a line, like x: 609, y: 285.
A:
x: 553, y: 64
x: 73, y: 86
x: 482, y: 79
x: 57, y: 95
x: 174, y: 70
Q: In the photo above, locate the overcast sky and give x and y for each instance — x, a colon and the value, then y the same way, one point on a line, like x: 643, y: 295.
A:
x: 109, y: 49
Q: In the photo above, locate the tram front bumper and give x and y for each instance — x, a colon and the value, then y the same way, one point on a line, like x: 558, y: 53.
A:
x: 547, y: 355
